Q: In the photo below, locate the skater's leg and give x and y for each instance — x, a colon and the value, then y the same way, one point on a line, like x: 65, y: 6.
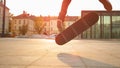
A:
x: 62, y: 14
x: 107, y: 5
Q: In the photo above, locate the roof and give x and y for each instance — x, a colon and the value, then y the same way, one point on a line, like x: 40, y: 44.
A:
x: 67, y: 18
x: 46, y: 18
x: 101, y: 12
x: 24, y: 15
x: 71, y: 18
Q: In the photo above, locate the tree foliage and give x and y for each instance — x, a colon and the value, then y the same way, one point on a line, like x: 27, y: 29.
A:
x: 23, y: 29
x: 39, y: 24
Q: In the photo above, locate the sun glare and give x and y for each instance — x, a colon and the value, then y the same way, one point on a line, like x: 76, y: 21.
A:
x: 39, y: 7
x: 52, y: 7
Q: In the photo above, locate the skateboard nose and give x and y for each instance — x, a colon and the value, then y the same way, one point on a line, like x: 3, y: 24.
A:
x: 60, y: 40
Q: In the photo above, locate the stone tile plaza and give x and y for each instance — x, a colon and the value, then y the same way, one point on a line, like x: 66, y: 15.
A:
x: 45, y: 53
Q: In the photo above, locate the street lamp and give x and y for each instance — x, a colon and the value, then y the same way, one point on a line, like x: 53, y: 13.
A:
x: 3, y: 25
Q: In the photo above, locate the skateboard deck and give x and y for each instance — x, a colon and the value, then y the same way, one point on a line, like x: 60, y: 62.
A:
x: 77, y: 28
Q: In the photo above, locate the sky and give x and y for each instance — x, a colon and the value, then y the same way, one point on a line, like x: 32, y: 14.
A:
x: 52, y: 7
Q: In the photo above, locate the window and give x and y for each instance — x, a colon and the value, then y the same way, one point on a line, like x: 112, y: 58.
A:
x: 107, y: 27
x: 19, y: 21
x: 115, y: 26
x: 24, y: 21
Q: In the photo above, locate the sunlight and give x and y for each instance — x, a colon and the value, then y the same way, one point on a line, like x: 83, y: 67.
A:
x: 50, y: 40
x: 39, y: 7
x: 48, y: 7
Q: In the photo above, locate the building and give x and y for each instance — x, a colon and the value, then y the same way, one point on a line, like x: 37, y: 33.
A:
x: 6, y: 18
x: 51, y: 23
x: 20, y: 20
x: 107, y: 27
x: 69, y: 20
x: 48, y: 24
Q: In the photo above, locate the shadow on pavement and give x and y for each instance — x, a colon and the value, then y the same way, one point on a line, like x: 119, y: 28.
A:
x: 82, y: 62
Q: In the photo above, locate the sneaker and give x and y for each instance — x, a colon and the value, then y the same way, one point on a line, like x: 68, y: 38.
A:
x: 107, y: 5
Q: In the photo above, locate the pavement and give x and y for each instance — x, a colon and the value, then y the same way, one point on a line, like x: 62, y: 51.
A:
x: 45, y: 53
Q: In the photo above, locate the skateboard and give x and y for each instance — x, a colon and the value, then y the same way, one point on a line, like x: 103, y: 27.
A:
x: 77, y: 28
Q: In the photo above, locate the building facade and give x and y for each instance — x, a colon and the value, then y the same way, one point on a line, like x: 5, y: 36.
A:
x: 107, y: 27
x: 6, y: 18
x: 20, y: 20
x: 51, y: 23
x: 69, y: 20
x: 48, y: 24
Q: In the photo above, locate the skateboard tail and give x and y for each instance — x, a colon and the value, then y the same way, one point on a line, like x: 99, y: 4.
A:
x: 77, y: 28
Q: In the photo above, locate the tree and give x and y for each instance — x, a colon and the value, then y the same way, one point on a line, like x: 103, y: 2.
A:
x: 23, y: 29
x: 39, y: 25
